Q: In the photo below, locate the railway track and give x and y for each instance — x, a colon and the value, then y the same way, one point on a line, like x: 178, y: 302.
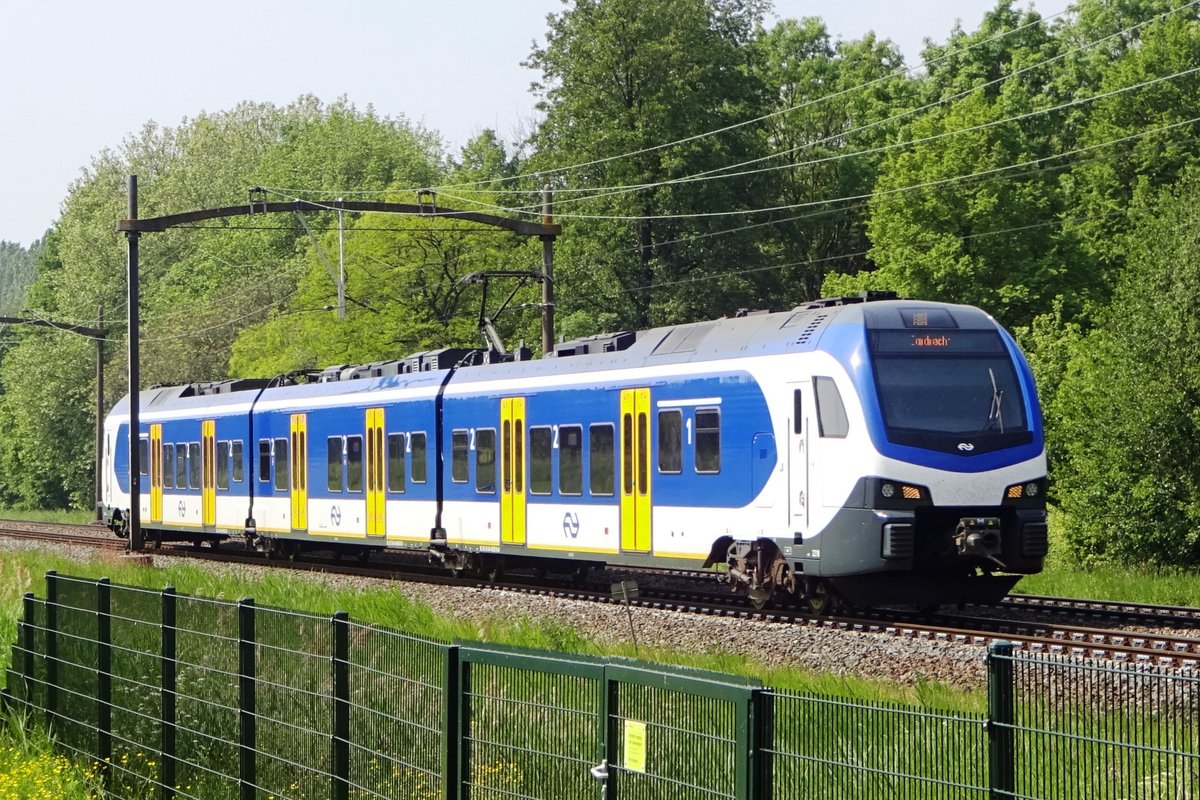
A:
x: 1128, y: 632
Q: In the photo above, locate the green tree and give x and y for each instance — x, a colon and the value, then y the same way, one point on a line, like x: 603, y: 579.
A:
x: 1129, y: 481
x: 832, y: 101
x: 939, y: 233
x: 620, y: 79
x: 17, y: 270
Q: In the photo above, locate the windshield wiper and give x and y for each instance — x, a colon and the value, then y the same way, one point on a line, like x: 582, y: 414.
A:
x: 995, y: 419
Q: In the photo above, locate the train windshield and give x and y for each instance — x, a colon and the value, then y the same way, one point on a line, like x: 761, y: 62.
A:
x: 954, y: 390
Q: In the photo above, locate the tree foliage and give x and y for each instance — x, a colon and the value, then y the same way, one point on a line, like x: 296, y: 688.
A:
x: 702, y: 160
x: 1129, y: 403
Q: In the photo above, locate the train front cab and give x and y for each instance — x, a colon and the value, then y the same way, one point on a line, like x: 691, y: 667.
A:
x: 952, y: 505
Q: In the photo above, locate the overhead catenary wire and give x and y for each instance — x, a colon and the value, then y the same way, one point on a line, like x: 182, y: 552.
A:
x: 721, y: 172
x: 295, y: 193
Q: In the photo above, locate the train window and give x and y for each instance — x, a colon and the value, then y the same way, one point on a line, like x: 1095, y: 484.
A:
x: 627, y: 454
x: 797, y: 413
x: 222, y: 465
x: 420, y: 468
x: 459, y: 441
x: 485, y: 461
x: 264, y: 460
x: 570, y: 459
x: 708, y: 440
x: 333, y: 461
x: 643, y: 465
x: 354, y: 463
x: 395, y: 462
x: 831, y: 413
x: 237, y: 454
x: 602, y: 463
x: 194, y: 465
x: 283, y: 477
x: 181, y: 466
x: 143, y: 457
x: 670, y: 441
x: 168, y: 472
x: 541, y: 443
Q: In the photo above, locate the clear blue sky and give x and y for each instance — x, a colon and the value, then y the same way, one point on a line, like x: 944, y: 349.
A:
x: 78, y: 76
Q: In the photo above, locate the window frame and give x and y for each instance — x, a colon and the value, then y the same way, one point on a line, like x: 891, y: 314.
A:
x: 481, y: 466
x: 531, y: 454
x: 355, y: 464
x: 612, y: 465
x: 413, y: 438
x: 576, y: 489
x: 340, y: 442
x: 391, y: 463
x: 460, y: 447
x: 666, y: 413
x: 707, y: 432
x: 277, y: 445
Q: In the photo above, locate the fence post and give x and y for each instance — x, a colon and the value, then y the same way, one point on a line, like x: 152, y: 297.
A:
x: 104, y: 676
x: 51, y: 648
x: 746, y: 734
x: 1001, y: 721
x: 340, y: 788
x: 460, y: 745
x: 452, y: 733
x: 246, y: 697
x: 765, y: 700
x: 27, y: 643
x: 167, y: 662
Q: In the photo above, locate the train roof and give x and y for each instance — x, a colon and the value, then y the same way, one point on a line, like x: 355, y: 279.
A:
x: 744, y: 335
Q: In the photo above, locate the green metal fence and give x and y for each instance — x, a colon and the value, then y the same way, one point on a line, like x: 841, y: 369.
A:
x: 188, y: 697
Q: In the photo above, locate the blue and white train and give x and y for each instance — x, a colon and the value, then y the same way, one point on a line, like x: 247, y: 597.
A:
x: 872, y: 451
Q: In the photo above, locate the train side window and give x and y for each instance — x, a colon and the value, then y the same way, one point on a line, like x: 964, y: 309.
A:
x: 797, y: 413
x: 541, y: 442
x: 264, y: 460
x: 143, y: 457
x: 181, y: 469
x: 708, y: 440
x: 237, y: 454
x: 670, y: 441
x: 831, y: 413
x: 459, y: 442
x: 395, y: 444
x: 333, y: 463
x: 222, y: 465
x: 485, y: 461
x: 168, y: 472
x: 354, y: 463
x: 420, y: 467
x: 570, y: 459
x: 283, y: 475
x: 601, y: 464
x: 194, y: 465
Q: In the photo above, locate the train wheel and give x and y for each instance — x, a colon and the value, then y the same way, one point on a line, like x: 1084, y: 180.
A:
x: 759, y: 599
x: 491, y: 569
x: 821, y: 599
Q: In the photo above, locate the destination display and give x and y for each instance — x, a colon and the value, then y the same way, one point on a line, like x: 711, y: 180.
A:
x: 952, y: 342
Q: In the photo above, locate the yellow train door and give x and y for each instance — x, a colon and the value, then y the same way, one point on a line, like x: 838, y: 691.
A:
x: 635, y: 470
x: 299, y: 470
x: 512, y: 470
x: 156, y: 473
x: 208, y: 473
x: 376, y: 508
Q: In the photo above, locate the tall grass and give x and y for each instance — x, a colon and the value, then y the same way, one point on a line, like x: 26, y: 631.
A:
x: 1063, y: 577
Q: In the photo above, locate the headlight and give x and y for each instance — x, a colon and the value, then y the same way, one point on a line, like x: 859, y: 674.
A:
x: 896, y: 494
x: 1026, y: 490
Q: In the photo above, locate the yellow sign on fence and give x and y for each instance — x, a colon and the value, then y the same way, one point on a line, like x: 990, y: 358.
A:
x: 635, y: 746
